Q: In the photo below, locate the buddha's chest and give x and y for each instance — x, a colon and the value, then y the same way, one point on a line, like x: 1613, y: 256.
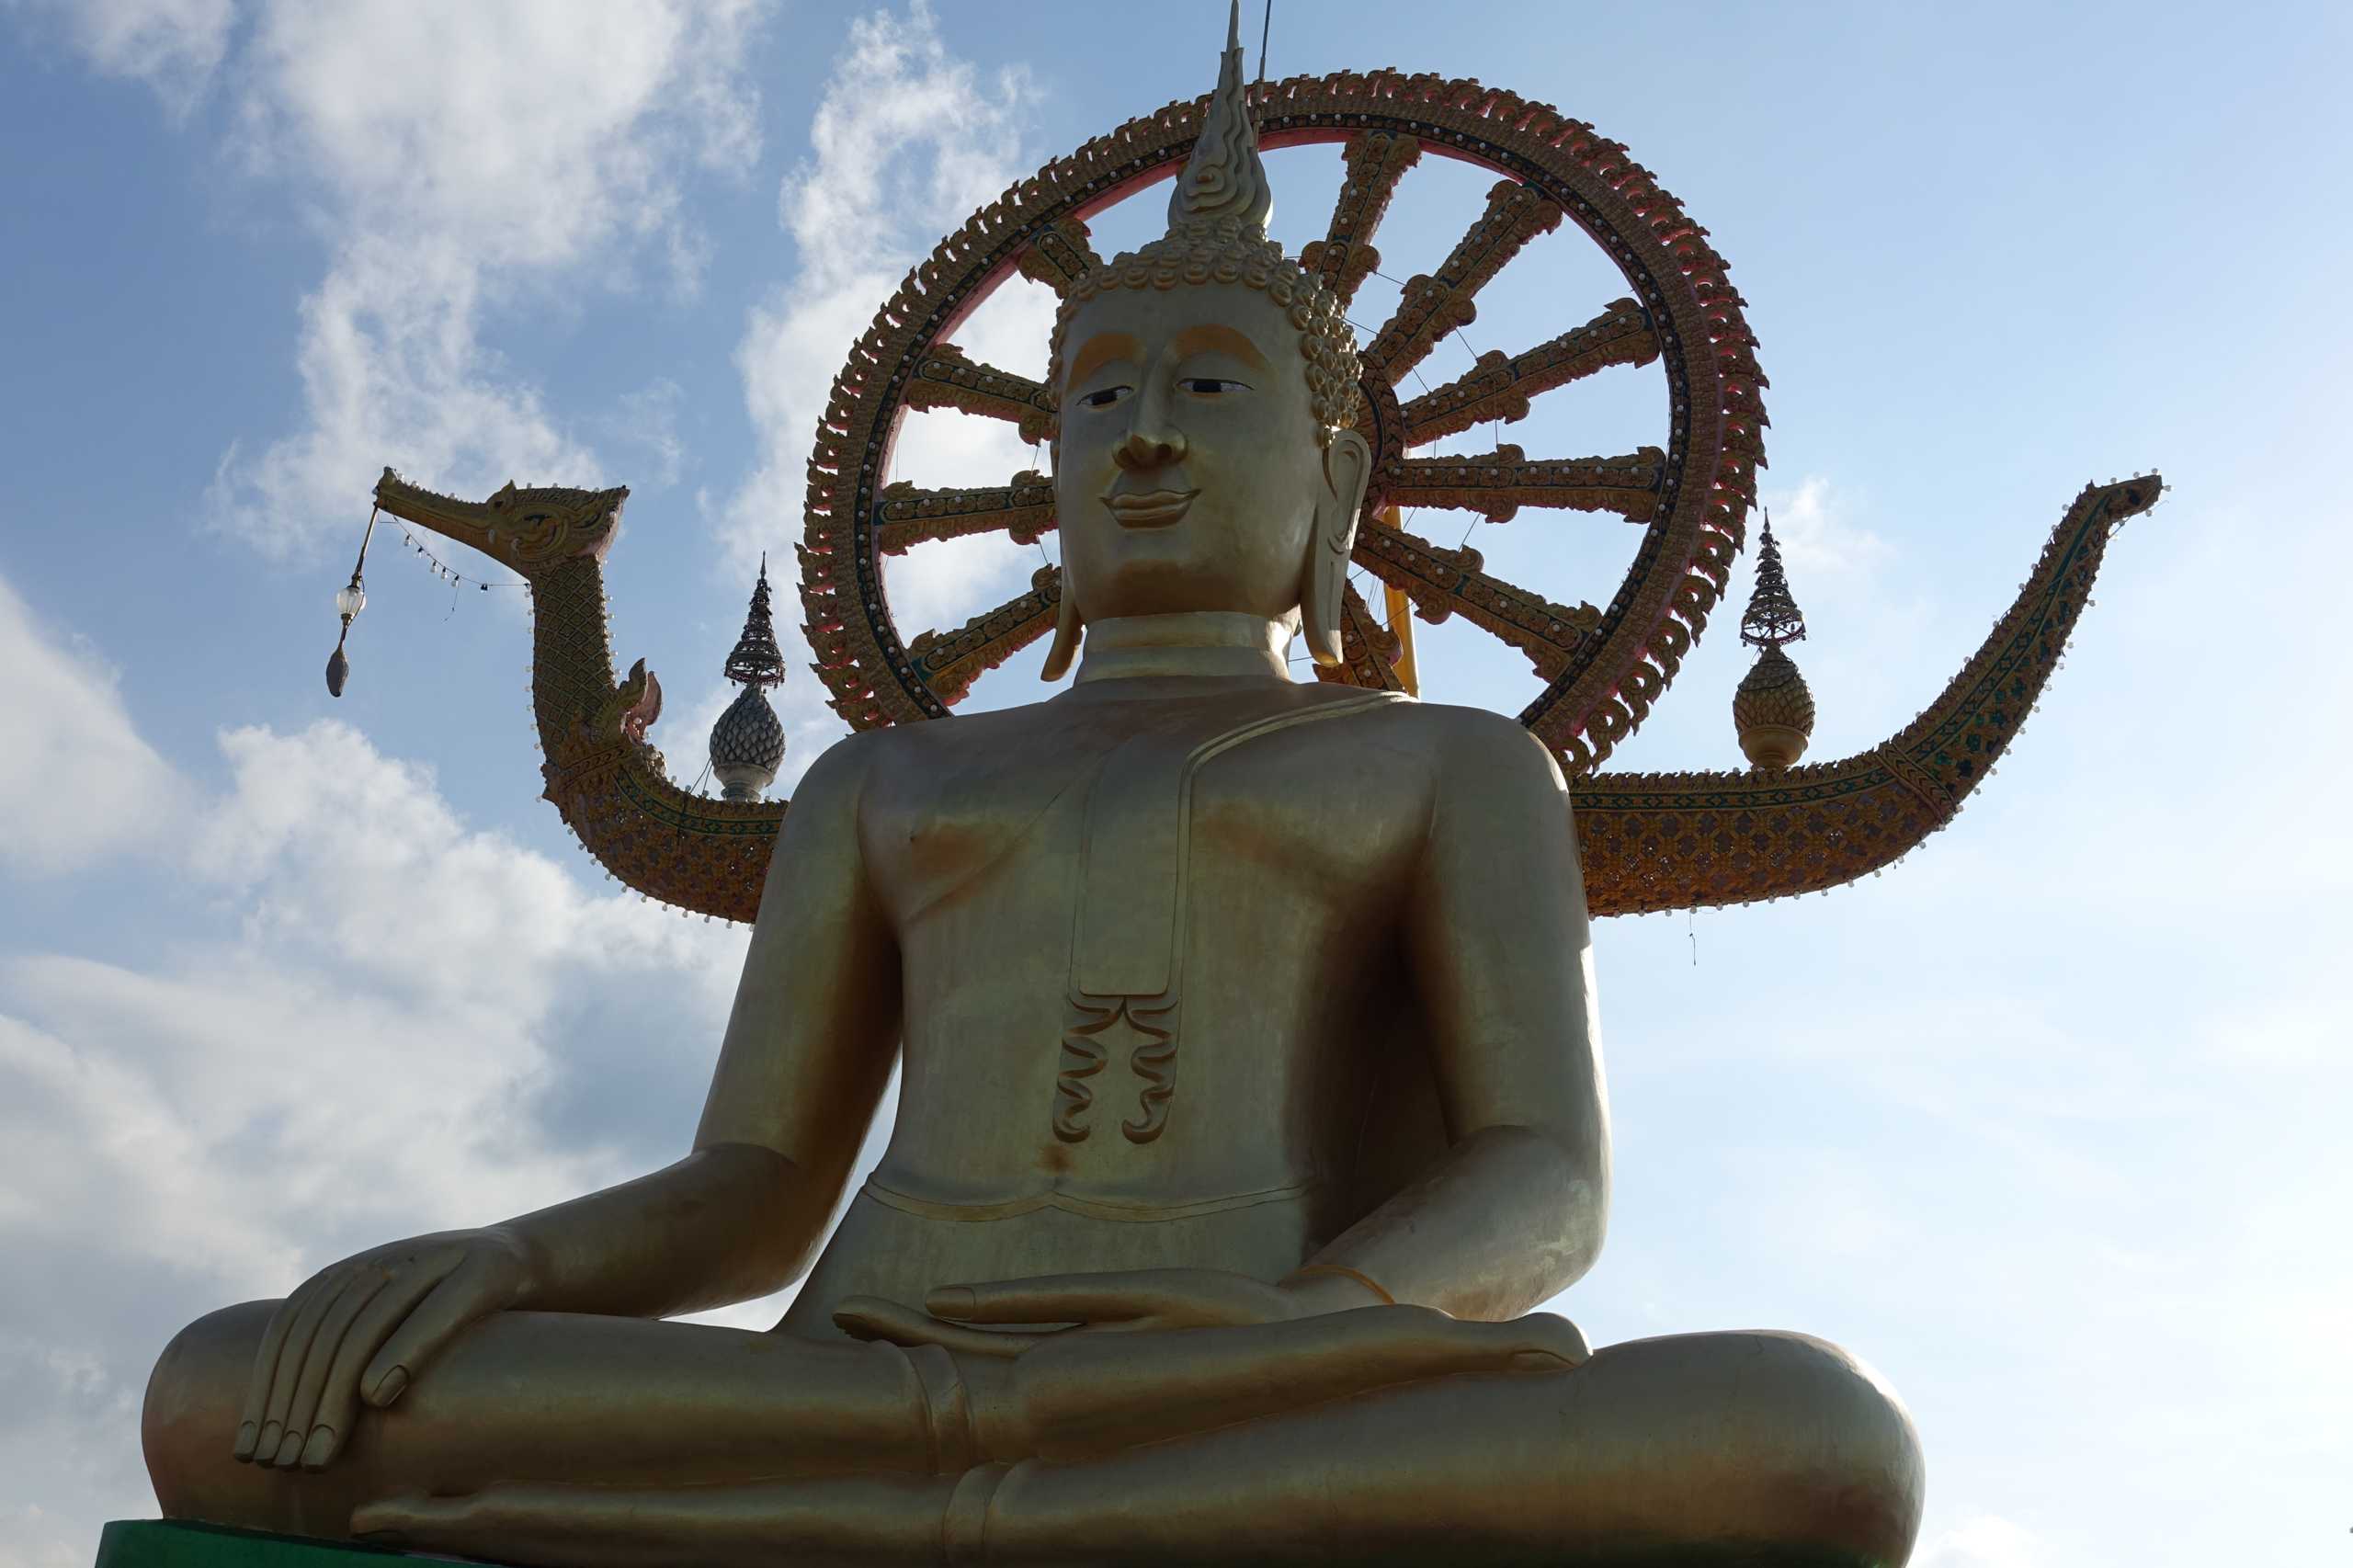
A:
x: 1129, y: 952
x: 1119, y: 833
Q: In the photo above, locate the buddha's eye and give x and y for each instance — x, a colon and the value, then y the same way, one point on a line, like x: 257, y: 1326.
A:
x: 1211, y: 386
x: 1104, y: 398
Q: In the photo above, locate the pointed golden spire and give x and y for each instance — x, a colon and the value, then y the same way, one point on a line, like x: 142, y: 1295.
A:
x: 1217, y: 234
x: 1772, y: 709
x: 1223, y: 181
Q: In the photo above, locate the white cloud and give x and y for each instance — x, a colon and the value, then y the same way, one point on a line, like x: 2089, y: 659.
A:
x: 648, y: 419
x: 1819, y: 538
x: 380, y: 1022
x: 367, y: 1019
x: 393, y: 372
x: 526, y: 143
x: 63, y: 1422
x: 357, y: 855
x: 534, y: 130
x: 1985, y: 1542
x: 905, y: 142
x: 174, y: 46
x: 76, y: 782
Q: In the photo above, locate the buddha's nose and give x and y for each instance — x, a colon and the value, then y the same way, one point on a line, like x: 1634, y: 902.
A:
x: 1149, y: 450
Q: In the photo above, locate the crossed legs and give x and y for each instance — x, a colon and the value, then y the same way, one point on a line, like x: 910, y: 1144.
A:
x: 534, y: 1439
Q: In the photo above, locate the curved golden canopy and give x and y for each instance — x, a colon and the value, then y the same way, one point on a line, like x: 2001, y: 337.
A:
x: 1649, y: 841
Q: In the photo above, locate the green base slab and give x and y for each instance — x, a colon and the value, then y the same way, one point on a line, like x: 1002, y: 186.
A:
x: 163, y: 1543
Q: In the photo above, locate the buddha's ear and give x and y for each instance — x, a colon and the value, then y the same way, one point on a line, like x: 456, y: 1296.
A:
x: 1066, y: 630
x: 1348, y: 470
x: 1064, y: 647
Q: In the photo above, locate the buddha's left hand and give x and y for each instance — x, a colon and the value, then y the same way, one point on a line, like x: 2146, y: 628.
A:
x: 1125, y: 1302
x: 957, y: 1316
x: 1229, y: 1348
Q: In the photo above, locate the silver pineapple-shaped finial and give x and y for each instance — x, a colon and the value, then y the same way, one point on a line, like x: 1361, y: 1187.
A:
x: 747, y: 743
x: 1772, y: 711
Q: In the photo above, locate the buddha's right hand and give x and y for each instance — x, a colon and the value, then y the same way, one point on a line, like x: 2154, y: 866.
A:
x: 1078, y: 1394
x: 362, y: 1329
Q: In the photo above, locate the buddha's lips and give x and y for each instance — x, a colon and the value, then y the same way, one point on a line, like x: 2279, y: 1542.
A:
x: 1151, y: 508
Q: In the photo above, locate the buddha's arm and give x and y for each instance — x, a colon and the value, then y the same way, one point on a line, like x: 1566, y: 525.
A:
x: 806, y: 1054
x: 671, y: 1241
x: 1502, y: 967
x: 807, y: 1050
x: 815, y: 1027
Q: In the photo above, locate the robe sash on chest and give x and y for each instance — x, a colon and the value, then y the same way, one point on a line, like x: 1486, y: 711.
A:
x: 1128, y: 923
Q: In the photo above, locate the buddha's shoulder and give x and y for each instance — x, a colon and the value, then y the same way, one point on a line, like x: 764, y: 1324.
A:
x: 1449, y: 737
x: 845, y: 769
x: 1476, y: 739
x: 859, y: 760
x: 966, y: 733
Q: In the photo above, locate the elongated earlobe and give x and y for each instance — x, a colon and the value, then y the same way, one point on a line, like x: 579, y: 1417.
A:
x: 1323, y: 582
x: 1066, y: 632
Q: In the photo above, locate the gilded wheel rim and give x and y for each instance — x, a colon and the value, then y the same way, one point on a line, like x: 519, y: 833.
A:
x: 1602, y: 668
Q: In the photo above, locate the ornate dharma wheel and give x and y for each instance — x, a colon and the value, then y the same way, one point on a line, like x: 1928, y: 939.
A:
x: 1649, y: 841
x: 1601, y: 667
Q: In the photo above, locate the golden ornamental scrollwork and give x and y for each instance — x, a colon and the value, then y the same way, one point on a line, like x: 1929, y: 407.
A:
x: 947, y: 379
x: 1649, y: 841
x: 1499, y: 388
x: 1343, y: 259
x: 1060, y: 254
x: 529, y: 530
x: 1437, y: 303
x: 1496, y: 485
x: 951, y: 660
x: 1691, y: 491
x: 1022, y: 508
x: 1369, y: 650
x: 1322, y: 959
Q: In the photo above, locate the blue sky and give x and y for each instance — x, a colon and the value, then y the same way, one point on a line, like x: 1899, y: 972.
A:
x: 2047, y: 1123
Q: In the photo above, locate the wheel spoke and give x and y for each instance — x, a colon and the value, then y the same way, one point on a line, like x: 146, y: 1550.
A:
x: 1060, y: 256
x: 1343, y: 259
x: 1446, y: 582
x: 950, y: 662
x: 1368, y: 649
x: 1023, y: 507
x: 947, y: 378
x: 1499, y: 386
x: 1497, y: 484
x: 1553, y: 169
x: 1436, y: 304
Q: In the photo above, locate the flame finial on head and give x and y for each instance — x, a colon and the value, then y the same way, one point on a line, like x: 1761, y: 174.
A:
x: 1224, y: 180
x: 1217, y: 234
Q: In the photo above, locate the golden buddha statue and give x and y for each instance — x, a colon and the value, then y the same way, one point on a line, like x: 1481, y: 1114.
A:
x: 1231, y: 1154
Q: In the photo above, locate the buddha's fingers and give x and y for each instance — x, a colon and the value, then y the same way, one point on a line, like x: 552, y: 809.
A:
x: 460, y: 1296
x: 872, y: 1318
x: 339, y: 1395
x: 1091, y: 1394
x: 1169, y: 1298
x: 314, y: 1303
x: 302, y: 1416
x: 264, y: 1373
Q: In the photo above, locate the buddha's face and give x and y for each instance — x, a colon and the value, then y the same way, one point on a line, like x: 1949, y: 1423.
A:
x: 1188, y: 472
